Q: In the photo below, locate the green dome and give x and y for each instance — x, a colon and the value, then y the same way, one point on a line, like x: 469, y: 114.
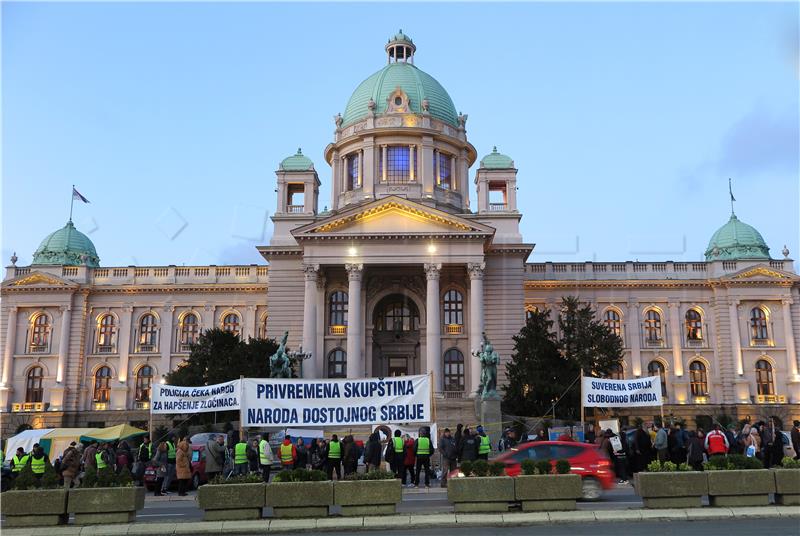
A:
x: 736, y: 241
x: 67, y: 246
x: 417, y: 84
x: 495, y: 160
x: 400, y: 37
x: 297, y: 162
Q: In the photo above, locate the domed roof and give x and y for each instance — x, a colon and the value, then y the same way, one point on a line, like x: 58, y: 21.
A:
x: 736, y: 241
x: 495, y: 160
x: 67, y: 246
x: 297, y: 162
x: 416, y: 83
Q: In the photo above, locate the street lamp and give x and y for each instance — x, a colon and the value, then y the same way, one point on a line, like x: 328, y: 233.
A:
x: 300, y: 356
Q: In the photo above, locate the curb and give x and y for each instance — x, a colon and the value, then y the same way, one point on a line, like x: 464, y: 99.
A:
x: 410, y: 521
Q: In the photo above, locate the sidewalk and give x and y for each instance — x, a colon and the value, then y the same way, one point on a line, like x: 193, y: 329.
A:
x: 406, y: 521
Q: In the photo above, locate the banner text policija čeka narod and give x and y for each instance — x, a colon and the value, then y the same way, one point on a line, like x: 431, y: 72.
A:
x: 298, y: 402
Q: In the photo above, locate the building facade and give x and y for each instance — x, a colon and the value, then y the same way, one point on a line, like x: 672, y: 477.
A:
x: 402, y: 275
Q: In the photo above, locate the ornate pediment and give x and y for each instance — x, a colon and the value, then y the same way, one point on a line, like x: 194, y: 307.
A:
x: 38, y: 279
x: 762, y: 272
x: 393, y: 216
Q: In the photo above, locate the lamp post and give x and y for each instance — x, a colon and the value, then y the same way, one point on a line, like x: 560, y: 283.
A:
x: 300, y: 356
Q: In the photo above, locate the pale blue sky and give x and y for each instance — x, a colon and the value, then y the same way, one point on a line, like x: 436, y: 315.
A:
x: 625, y: 120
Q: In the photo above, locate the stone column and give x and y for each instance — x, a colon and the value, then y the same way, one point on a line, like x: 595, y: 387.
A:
x: 675, y: 337
x: 634, y: 338
x: 360, y: 180
x: 249, y: 322
x: 335, y: 180
x: 63, y: 342
x: 475, y: 321
x: 788, y: 334
x: 427, y: 166
x: 411, y: 175
x: 11, y: 341
x: 355, y: 367
x: 453, y: 174
x: 433, y: 350
x: 384, y: 152
x: 736, y: 338
x: 165, y: 341
x: 369, y: 168
x: 318, y: 361
x: 310, y: 271
x: 124, y: 342
x: 464, y: 176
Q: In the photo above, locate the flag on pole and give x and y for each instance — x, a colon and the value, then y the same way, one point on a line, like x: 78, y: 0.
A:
x: 730, y: 190
x: 77, y: 195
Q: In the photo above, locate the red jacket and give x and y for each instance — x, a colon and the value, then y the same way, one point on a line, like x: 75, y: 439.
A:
x: 408, y: 446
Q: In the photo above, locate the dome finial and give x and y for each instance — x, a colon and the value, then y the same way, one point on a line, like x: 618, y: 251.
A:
x: 730, y: 191
x: 400, y: 48
x: 299, y: 150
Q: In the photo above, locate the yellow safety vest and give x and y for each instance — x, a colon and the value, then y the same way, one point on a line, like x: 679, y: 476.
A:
x: 19, y: 463
x: 334, y: 450
x: 149, y: 450
x: 398, y: 444
x: 263, y: 445
x: 240, y: 453
x: 101, y: 464
x: 37, y: 464
x: 170, y: 451
x: 423, y: 446
x: 286, y: 453
x: 485, y: 446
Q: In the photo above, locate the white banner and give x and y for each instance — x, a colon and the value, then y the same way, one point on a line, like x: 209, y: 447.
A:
x: 355, y: 402
x: 601, y: 392
x: 177, y: 399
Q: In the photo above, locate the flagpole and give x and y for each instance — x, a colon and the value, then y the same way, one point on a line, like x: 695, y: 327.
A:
x: 71, y: 201
x: 730, y: 191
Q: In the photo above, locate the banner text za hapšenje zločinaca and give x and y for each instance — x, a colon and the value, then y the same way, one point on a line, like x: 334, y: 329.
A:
x: 299, y: 402
x: 602, y: 392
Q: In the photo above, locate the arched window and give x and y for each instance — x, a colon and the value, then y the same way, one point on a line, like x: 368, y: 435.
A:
x: 106, y: 335
x: 144, y: 379
x: 655, y: 368
x: 758, y: 324
x: 337, y: 364
x: 616, y: 372
x: 337, y: 312
x: 699, y: 378
x: 694, y: 325
x: 444, y: 179
x: 189, y: 331
x: 397, y: 313
x: 230, y: 323
x: 102, y: 385
x: 652, y: 328
x: 33, y: 388
x: 453, y: 370
x: 613, y: 321
x: 148, y: 333
x: 453, y: 309
x: 262, y: 327
x: 765, y: 382
x: 40, y: 334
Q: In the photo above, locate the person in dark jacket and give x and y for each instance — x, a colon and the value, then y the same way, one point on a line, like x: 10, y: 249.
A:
x: 252, y: 457
x: 302, y: 454
x: 349, y: 455
x: 642, y: 450
x: 458, y: 438
x: 319, y: 456
x: 372, y: 452
x: 447, y: 448
x: 694, y: 452
x: 796, y: 439
x: 469, y: 447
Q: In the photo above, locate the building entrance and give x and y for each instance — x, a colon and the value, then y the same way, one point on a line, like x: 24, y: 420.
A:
x: 395, y: 337
x: 398, y: 366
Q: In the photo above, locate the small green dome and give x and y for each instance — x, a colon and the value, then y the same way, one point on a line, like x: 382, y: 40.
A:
x: 495, y: 160
x: 400, y: 37
x: 297, y: 162
x: 417, y: 84
x: 67, y: 246
x: 736, y: 241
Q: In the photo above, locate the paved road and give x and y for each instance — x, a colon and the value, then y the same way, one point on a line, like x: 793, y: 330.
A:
x: 783, y: 527
x: 418, y: 501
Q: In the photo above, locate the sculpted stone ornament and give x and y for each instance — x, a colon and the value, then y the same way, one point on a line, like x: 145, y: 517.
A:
x: 279, y: 363
x: 489, y: 360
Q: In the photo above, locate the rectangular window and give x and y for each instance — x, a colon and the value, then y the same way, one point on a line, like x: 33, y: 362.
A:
x: 445, y: 172
x: 352, y: 172
x: 296, y: 197
x: 397, y: 164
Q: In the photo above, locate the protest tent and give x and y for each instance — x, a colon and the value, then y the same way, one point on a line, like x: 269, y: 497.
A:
x: 60, y: 438
x: 113, y: 433
x: 26, y: 440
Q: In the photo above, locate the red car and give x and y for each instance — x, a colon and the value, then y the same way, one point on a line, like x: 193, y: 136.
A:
x: 586, y: 460
x: 198, y: 470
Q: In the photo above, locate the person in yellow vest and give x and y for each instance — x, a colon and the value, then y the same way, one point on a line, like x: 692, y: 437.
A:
x: 398, y: 453
x: 484, y: 444
x: 288, y: 453
x: 240, y: 464
x: 265, y: 457
x: 334, y: 458
x: 38, y: 461
x: 171, y: 454
x: 19, y: 461
x: 423, y: 448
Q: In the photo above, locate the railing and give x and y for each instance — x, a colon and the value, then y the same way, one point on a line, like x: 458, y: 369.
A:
x: 29, y: 406
x: 762, y: 342
x: 141, y: 405
x: 729, y: 266
x: 105, y: 349
x: 145, y: 348
x: 497, y: 207
x: 338, y: 330
x: 69, y: 271
x: 454, y: 329
x: 770, y: 399
x: 38, y: 348
x: 100, y: 406
x: 696, y: 343
x: 184, y: 347
x: 453, y: 394
x: 776, y: 264
x: 295, y: 209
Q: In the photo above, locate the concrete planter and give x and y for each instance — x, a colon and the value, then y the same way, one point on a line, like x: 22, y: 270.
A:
x: 787, y: 486
x: 223, y: 502
x: 300, y: 499
x: 481, y: 494
x: 547, y: 492
x: 93, y: 506
x: 747, y: 487
x: 367, y: 497
x: 35, y: 508
x: 671, y: 490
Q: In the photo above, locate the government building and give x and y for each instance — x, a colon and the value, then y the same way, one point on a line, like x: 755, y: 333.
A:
x: 401, y: 275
